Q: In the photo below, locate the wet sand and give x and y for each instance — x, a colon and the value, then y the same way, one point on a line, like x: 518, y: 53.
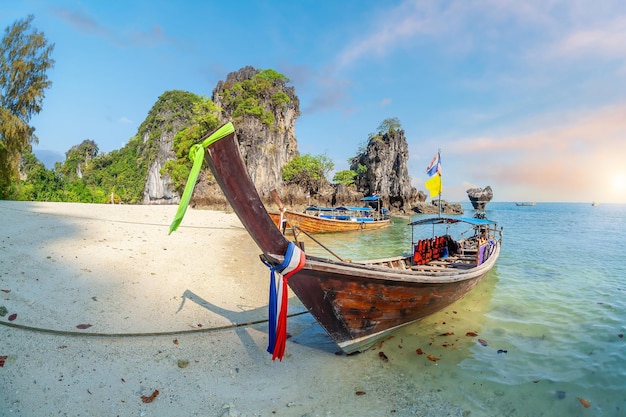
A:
x: 104, y: 308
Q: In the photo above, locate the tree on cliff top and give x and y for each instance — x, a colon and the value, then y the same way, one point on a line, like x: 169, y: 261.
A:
x: 387, y: 126
x: 257, y: 96
x: 24, y: 60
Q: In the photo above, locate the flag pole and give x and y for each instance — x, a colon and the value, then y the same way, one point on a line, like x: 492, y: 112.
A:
x: 434, y: 183
x: 440, y: 182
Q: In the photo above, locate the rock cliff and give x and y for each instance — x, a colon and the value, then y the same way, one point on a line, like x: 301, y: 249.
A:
x: 171, y: 113
x: 265, y: 147
x: 266, y: 143
x: 385, y: 159
x: 158, y: 188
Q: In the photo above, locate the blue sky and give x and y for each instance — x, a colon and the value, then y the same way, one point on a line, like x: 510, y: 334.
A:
x: 528, y: 97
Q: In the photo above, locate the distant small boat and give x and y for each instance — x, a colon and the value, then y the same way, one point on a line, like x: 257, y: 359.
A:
x: 526, y: 203
x: 595, y: 203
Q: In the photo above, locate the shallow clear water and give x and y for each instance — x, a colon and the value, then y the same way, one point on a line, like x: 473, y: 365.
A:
x: 552, y: 313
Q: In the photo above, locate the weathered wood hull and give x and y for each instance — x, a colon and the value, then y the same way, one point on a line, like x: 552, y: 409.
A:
x: 315, y: 224
x: 356, y: 303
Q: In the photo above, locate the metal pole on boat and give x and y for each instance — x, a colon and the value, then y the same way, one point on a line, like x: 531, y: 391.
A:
x: 439, y: 204
x: 440, y: 183
x: 413, y: 242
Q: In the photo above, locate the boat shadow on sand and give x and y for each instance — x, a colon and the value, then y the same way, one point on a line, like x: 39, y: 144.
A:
x: 302, y: 328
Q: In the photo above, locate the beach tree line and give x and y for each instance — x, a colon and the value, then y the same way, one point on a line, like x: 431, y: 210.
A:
x: 89, y: 176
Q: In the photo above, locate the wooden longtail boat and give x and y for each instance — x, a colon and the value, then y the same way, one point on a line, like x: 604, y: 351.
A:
x: 359, y: 303
x: 330, y: 220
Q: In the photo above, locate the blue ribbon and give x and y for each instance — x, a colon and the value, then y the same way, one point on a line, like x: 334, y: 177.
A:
x: 273, y: 300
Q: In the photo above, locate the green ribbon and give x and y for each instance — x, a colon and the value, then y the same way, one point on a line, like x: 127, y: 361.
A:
x: 196, y: 155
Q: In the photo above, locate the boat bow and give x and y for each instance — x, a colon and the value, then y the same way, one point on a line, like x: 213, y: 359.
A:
x: 226, y: 163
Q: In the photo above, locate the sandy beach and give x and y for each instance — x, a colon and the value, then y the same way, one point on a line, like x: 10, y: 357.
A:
x: 104, y: 309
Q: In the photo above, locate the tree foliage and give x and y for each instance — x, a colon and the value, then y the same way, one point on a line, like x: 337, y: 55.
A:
x: 118, y: 173
x: 387, y: 126
x: 345, y: 177
x: 204, y: 120
x: 25, y: 56
x: 308, y: 171
x: 40, y: 184
x: 251, y: 96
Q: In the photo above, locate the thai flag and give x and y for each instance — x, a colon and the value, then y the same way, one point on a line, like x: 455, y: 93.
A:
x: 435, y: 166
x: 279, y: 275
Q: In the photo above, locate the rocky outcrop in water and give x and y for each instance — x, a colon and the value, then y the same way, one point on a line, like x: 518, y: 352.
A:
x: 385, y: 159
x: 433, y: 207
x: 480, y: 197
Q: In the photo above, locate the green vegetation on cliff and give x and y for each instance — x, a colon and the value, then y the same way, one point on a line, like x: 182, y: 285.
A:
x: 248, y: 96
x: 204, y: 119
x: 308, y: 171
x: 345, y: 177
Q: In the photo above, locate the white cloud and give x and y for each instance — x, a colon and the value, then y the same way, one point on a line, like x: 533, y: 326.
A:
x: 607, y: 40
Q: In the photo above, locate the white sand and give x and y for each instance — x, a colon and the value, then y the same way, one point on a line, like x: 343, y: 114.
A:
x: 116, y: 269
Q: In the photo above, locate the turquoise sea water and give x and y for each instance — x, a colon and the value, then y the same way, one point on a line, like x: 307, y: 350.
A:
x: 552, y: 314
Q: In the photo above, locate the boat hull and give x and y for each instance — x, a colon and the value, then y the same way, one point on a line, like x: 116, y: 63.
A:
x: 358, y: 307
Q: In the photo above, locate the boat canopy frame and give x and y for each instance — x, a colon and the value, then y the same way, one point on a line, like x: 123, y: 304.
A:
x: 475, y: 223
x: 451, y: 220
x: 339, y: 208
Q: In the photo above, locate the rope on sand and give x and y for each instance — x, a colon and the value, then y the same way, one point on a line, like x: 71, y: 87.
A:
x: 149, y: 334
